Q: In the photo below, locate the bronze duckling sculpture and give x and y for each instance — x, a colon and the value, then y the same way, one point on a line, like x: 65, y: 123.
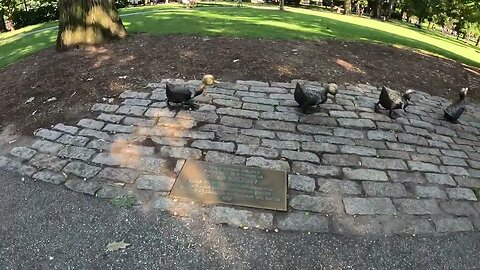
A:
x: 184, y: 94
x: 308, y: 96
x: 392, y: 100
x: 456, y: 109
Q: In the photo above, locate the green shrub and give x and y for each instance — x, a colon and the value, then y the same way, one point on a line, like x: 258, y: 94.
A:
x: 45, y: 13
x: 121, y: 3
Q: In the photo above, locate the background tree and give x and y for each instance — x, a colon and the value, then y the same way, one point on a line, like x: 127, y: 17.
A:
x: 7, y: 7
x: 87, y: 22
x: 348, y: 7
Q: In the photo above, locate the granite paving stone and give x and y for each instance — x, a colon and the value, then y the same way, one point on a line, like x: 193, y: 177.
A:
x: 224, y: 158
x: 383, y: 163
x: 158, y: 183
x: 380, y: 189
x: 48, y: 134
x: 81, y: 169
x: 453, y: 225
x: 307, y: 168
x: 299, y: 155
x: 73, y: 140
x: 368, y: 206
x: 459, y: 208
x: 248, y: 150
x: 461, y: 194
x: 348, y: 133
x: 91, y: 124
x: 119, y: 175
x: 50, y: 162
x: 23, y: 152
x: 454, y: 170
x: 66, y: 128
x: 365, y: 174
x: 328, y: 205
x: 433, y: 192
x: 417, y: 207
x: 268, y: 163
x: 50, y: 177
x: 337, y: 186
x: 441, y: 179
x: 76, y: 152
x: 89, y: 187
x: 103, y: 107
x: 300, y: 182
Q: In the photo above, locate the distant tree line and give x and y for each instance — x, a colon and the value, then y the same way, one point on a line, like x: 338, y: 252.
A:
x: 19, y: 13
x: 458, y: 17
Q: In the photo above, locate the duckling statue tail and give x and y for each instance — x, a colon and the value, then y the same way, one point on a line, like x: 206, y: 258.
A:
x: 456, y: 109
x: 299, y: 96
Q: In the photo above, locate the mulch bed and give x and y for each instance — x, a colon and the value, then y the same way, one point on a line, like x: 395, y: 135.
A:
x: 79, y: 78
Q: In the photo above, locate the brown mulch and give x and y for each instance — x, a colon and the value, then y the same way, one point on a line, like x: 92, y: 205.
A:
x: 82, y: 77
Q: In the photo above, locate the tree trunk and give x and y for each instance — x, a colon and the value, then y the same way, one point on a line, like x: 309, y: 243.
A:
x: 348, y: 7
x: 282, y: 5
x: 87, y: 22
x: 379, y: 9
x: 391, y: 3
x: 478, y: 41
x: 3, y: 27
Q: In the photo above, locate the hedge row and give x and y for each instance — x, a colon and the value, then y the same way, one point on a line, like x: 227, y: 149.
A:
x: 45, y: 13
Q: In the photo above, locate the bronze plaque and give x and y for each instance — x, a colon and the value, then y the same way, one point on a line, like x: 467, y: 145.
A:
x: 238, y: 185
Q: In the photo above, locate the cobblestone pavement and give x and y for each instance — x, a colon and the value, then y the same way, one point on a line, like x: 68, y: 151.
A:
x: 351, y: 171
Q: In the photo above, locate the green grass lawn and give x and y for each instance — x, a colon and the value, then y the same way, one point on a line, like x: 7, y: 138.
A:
x: 257, y: 22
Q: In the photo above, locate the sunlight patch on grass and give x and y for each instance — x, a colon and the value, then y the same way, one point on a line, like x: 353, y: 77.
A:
x: 263, y: 21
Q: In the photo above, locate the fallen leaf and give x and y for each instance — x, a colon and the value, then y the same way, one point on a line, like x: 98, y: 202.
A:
x: 117, y: 184
x: 30, y: 100
x: 114, y: 246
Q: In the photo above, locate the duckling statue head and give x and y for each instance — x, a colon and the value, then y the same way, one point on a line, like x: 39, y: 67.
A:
x: 463, y: 93
x: 408, y: 94
x: 208, y: 80
x: 332, y: 89
x: 456, y: 109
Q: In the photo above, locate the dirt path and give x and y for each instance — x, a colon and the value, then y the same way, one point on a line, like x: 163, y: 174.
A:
x: 78, y: 78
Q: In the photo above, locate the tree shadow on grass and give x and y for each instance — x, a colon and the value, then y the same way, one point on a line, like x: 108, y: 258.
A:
x: 270, y: 24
